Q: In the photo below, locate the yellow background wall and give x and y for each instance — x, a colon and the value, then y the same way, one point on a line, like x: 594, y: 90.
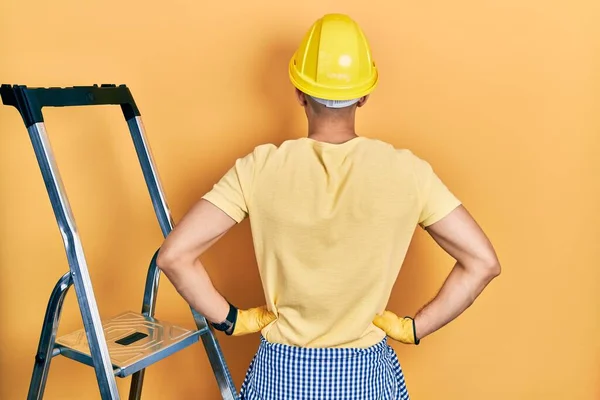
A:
x: 503, y: 98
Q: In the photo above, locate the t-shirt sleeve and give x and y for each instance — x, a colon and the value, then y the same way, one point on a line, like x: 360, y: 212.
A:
x: 231, y: 192
x: 437, y: 201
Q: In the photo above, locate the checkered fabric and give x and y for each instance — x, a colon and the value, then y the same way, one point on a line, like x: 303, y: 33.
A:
x: 281, y: 372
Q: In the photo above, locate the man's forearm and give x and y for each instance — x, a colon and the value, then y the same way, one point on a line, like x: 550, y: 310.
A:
x: 459, y: 291
x: 192, y: 282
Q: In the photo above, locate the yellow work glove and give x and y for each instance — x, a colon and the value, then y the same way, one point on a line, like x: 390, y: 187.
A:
x: 243, y: 322
x: 400, y: 329
x: 252, y: 320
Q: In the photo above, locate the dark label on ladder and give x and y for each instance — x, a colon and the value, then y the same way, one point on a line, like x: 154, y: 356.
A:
x: 134, y: 337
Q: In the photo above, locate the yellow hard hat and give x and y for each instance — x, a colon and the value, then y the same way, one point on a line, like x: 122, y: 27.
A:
x: 334, y: 60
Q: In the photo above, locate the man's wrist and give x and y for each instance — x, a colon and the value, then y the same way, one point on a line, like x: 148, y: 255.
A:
x: 419, y: 328
x: 228, y: 325
x: 415, y: 333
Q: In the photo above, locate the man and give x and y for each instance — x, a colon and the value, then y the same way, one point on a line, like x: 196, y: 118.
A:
x: 332, y: 217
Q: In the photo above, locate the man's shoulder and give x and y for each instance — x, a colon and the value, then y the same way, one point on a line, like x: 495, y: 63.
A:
x: 402, y: 153
x: 265, y: 150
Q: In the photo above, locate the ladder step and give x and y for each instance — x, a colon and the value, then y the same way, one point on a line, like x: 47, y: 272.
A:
x: 134, y: 341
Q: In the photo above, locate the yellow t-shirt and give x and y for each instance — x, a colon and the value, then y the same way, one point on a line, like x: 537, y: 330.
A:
x: 331, y: 224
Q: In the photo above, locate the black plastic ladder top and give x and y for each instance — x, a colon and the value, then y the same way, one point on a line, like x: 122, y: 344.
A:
x: 30, y: 101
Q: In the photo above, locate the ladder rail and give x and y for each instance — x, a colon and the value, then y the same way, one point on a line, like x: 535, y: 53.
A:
x: 217, y: 362
x: 46, y: 350
x: 151, y: 176
x: 165, y: 221
x: 148, y: 309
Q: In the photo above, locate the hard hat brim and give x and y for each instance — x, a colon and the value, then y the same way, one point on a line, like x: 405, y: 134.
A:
x: 340, y: 93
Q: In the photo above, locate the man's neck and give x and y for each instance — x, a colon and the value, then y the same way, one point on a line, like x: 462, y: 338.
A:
x: 331, y: 131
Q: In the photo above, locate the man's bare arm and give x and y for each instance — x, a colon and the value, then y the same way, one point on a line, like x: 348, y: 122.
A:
x: 199, y: 229
x: 476, y: 265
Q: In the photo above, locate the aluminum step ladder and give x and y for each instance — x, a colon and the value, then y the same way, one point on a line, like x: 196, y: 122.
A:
x: 129, y: 342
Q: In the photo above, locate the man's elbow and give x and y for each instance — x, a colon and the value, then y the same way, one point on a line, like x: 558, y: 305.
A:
x: 168, y: 259
x: 483, y: 267
x: 490, y: 267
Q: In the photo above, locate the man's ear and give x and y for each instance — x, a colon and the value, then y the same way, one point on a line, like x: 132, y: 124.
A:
x: 363, y: 100
x: 301, y: 97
